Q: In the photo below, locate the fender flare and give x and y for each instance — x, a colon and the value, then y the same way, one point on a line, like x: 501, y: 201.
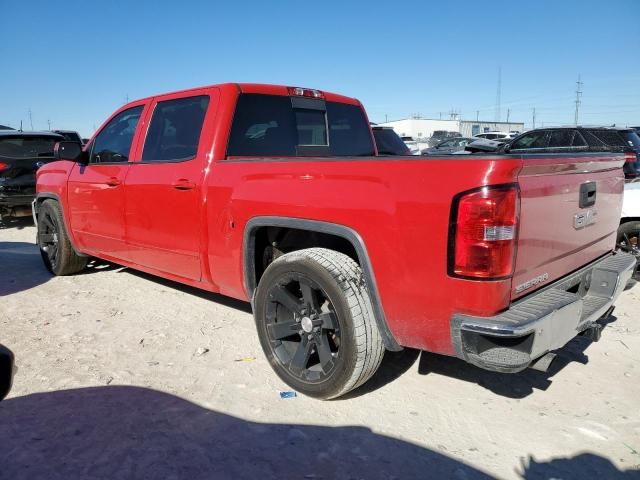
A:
x: 35, y: 206
x: 248, y: 256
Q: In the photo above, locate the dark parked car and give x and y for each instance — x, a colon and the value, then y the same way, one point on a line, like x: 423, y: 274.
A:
x: 632, y: 136
x: 579, y: 139
x: 21, y: 154
x: 441, y: 135
x: 388, y: 142
x: 70, y: 135
x: 449, y: 146
x: 6, y: 371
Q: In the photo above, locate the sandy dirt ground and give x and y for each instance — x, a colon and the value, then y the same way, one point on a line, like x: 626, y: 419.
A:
x: 122, y: 375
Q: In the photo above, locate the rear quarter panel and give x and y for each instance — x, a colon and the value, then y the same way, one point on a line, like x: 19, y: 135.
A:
x: 400, y: 207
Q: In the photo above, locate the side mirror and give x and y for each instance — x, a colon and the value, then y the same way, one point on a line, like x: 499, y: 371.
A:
x: 71, y: 151
x: 6, y: 371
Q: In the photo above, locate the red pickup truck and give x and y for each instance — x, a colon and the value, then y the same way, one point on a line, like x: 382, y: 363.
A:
x: 276, y: 195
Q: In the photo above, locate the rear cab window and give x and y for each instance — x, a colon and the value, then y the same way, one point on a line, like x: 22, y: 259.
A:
x: 282, y: 126
x: 27, y: 146
x: 389, y: 143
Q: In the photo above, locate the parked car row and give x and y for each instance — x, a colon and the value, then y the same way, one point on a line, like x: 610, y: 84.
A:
x: 278, y: 196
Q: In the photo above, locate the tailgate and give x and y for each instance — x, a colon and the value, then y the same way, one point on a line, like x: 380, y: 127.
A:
x: 569, y: 213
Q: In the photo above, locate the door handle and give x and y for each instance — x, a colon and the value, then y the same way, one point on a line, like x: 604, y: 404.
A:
x: 113, y: 182
x: 183, y: 184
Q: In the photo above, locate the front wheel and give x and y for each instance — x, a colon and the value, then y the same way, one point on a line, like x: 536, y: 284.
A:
x: 55, y: 248
x: 315, y: 322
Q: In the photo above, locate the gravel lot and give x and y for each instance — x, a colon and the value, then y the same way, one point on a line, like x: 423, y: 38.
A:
x: 121, y: 375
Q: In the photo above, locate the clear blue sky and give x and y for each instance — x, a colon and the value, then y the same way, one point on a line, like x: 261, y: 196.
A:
x: 73, y: 63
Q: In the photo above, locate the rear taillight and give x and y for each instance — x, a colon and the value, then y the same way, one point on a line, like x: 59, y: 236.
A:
x: 630, y: 157
x: 483, y: 233
x: 305, y: 92
x: 3, y: 166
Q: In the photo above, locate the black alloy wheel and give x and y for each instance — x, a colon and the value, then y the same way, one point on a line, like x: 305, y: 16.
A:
x: 48, y: 237
x: 303, y: 328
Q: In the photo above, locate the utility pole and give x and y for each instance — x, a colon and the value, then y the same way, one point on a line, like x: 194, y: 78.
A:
x: 440, y: 115
x: 30, y: 118
x: 578, y: 101
x: 534, y: 117
x: 508, y: 112
x: 49, y: 123
x: 477, y: 115
x: 385, y: 118
x: 498, y: 94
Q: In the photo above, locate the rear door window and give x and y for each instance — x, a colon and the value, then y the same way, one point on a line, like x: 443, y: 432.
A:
x: 536, y: 139
x: 271, y: 126
x: 578, y: 140
x: 561, y: 138
x: 174, y: 131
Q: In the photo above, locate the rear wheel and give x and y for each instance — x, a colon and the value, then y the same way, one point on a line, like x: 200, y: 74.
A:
x: 629, y: 240
x: 315, y: 322
x: 56, y: 250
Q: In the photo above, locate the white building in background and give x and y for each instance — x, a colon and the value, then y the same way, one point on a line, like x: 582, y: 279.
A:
x: 423, y: 128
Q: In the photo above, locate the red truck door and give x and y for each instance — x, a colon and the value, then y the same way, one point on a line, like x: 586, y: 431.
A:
x: 96, y: 191
x: 164, y: 188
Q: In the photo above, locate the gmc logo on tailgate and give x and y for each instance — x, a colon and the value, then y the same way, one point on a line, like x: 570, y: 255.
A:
x: 581, y: 220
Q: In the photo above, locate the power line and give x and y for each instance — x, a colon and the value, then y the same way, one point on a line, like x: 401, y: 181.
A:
x: 498, y: 93
x: 578, y: 95
x: 534, y: 117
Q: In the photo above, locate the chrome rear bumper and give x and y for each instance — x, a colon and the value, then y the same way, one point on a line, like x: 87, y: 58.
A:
x: 543, y: 321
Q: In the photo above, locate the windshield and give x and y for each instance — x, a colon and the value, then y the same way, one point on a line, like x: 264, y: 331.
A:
x: 389, y: 143
x: 26, y: 147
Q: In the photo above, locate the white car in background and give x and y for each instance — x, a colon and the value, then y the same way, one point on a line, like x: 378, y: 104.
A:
x: 629, y: 231
x: 412, y: 145
x: 496, y: 135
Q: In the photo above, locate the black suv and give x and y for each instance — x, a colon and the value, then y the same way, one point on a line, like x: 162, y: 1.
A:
x: 388, y: 142
x: 21, y: 154
x: 580, y: 139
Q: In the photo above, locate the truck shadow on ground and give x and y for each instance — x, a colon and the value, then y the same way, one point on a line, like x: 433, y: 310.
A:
x: 16, y: 222
x: 22, y: 267
x: 511, y: 385
x: 197, y: 292
x: 119, y: 432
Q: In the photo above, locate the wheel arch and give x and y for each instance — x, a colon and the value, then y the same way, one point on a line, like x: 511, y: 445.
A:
x: 629, y: 219
x: 250, y: 279
x: 35, y: 206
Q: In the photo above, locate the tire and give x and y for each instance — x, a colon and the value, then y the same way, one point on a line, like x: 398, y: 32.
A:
x: 629, y: 241
x: 316, y: 324
x: 55, y: 248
